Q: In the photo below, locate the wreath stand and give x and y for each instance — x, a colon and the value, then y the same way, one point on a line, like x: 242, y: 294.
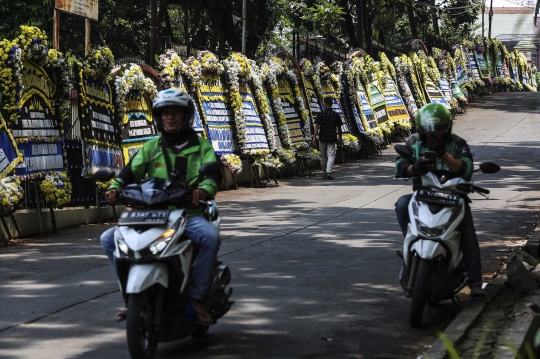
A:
x: 224, y: 179
x: 38, y: 209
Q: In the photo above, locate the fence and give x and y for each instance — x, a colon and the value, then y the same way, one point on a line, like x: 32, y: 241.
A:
x: 311, y: 48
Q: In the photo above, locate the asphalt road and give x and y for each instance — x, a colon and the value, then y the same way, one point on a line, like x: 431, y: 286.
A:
x: 313, y: 261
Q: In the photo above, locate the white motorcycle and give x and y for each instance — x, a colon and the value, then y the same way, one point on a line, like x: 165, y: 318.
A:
x: 154, y: 260
x: 433, y: 267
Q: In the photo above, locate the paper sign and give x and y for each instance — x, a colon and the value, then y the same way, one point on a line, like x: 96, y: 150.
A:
x: 277, y: 140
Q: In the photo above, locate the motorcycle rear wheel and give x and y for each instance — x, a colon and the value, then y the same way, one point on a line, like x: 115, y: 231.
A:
x: 142, y: 337
x: 420, y: 293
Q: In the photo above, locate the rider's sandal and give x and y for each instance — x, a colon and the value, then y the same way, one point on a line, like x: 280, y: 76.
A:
x: 121, y: 315
x: 204, y: 318
x: 477, y: 293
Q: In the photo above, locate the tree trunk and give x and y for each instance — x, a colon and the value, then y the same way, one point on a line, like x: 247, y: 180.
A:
x: 349, y: 25
x: 412, y: 22
x: 435, y: 18
x: 360, y: 22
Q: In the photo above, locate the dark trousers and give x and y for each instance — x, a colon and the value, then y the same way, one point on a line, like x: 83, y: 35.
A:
x: 469, y: 241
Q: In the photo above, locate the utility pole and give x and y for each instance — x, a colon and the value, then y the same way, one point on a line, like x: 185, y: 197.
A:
x: 394, y: 29
x: 244, y: 12
x: 483, y: 11
x: 490, y: 17
x: 153, y: 32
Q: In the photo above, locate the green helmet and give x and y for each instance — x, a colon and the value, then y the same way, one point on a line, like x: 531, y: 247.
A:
x: 433, y: 117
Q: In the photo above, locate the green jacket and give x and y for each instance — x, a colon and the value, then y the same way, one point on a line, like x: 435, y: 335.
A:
x: 455, y: 145
x: 150, y: 161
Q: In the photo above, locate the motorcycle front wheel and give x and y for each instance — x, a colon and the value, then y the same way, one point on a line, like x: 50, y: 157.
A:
x: 142, y: 334
x: 420, y: 293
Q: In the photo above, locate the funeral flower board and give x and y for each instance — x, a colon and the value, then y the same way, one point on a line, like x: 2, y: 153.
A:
x: 38, y: 132
x: 217, y: 114
x: 138, y: 124
x: 256, y: 137
x: 435, y: 95
x: 395, y: 106
x: 292, y: 117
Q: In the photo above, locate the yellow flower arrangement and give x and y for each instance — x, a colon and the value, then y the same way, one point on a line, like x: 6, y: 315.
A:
x: 232, y: 162
x: 56, y: 189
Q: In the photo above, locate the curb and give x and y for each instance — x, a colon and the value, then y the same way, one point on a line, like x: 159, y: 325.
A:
x: 521, y: 331
x: 465, y: 319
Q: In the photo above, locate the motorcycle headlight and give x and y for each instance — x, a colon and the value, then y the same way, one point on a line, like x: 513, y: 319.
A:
x: 122, y: 246
x: 435, y: 231
x: 162, y: 241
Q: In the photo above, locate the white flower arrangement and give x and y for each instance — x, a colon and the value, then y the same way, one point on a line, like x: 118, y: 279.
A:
x: 350, y: 142
x: 257, y: 78
x: 271, y: 70
x: 287, y: 156
x: 169, y: 64
x: 280, y: 69
x: 209, y: 63
x: 232, y: 162
x: 11, y: 194
x: 233, y: 69
x: 309, y: 154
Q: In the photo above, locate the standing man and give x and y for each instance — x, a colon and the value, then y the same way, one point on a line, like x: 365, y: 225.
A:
x: 329, y: 121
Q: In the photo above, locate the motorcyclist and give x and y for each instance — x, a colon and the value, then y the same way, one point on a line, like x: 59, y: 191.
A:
x: 434, y: 126
x: 173, y: 111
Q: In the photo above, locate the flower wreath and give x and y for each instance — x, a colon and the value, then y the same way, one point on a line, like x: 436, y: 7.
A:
x: 56, y: 189
x: 521, y: 62
x: 358, y: 76
x: 171, y: 67
x: 350, y: 142
x: 298, y: 100
x: 209, y: 63
x: 132, y: 79
x: 256, y: 80
x: 232, y: 162
x: 288, y: 156
x: 99, y: 62
x: 233, y: 69
x: 31, y: 45
x: 11, y: 194
x: 168, y: 67
x: 401, y: 69
x: 98, y: 57
x: 271, y: 71
x: 389, y: 69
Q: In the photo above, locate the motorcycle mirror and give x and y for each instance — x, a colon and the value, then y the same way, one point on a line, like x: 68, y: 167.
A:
x: 403, y: 151
x: 489, y: 167
x: 104, y: 174
x: 210, y: 168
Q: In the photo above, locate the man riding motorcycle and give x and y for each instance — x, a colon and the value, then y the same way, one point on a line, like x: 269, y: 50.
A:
x: 434, y: 126
x: 173, y: 111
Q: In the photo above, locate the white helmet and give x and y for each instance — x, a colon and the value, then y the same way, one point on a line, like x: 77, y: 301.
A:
x: 173, y: 97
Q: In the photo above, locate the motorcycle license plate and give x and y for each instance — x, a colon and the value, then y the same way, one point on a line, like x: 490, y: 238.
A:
x: 144, y: 217
x: 448, y: 199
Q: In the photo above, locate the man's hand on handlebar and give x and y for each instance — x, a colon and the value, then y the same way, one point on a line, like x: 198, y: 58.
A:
x: 111, y: 196
x: 198, y: 195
